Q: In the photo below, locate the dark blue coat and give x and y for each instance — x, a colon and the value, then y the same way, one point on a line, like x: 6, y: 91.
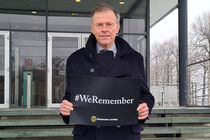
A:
x: 126, y: 63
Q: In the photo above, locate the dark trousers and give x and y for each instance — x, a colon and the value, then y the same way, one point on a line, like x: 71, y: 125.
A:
x: 107, y: 133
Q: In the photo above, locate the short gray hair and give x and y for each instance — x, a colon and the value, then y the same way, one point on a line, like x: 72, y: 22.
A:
x: 105, y: 7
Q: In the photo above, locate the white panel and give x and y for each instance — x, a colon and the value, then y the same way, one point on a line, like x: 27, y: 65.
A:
x: 6, y: 70
x: 49, y: 71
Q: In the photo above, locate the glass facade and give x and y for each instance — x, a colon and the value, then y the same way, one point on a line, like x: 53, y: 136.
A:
x: 22, y: 22
x: 22, y: 15
x: 134, y: 25
x: 71, y: 24
x: 42, y: 34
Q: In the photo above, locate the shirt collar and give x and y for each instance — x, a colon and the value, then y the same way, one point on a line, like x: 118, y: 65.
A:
x: 112, y: 48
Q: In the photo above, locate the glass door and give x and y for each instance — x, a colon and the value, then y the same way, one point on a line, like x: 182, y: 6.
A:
x: 60, y: 47
x: 28, y: 57
x: 4, y: 69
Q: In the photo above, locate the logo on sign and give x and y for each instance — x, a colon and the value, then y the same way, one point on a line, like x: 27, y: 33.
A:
x: 93, y: 119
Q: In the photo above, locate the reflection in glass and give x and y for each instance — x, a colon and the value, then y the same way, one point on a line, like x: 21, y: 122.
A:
x: 134, y: 25
x: 26, y: 22
x: 76, y: 24
x: 2, y: 55
x: 18, y: 14
x: 138, y: 43
x: 62, y: 47
x: 28, y: 55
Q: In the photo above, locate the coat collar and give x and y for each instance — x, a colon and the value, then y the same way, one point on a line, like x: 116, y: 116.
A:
x: 122, y: 46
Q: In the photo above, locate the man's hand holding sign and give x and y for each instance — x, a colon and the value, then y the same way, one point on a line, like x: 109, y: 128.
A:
x: 143, y: 111
x: 66, y: 107
x: 104, y: 110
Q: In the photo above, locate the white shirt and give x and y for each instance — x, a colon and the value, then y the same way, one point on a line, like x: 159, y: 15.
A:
x: 112, y: 48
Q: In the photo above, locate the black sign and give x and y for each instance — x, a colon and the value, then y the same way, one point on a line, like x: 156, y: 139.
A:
x: 104, y: 101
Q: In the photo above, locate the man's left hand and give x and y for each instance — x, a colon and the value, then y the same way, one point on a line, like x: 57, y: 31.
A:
x: 143, y: 111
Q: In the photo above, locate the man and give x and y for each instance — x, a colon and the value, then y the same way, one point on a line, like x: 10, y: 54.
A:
x: 120, y: 61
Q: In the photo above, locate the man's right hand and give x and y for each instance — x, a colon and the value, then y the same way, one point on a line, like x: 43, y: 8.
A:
x: 66, y: 107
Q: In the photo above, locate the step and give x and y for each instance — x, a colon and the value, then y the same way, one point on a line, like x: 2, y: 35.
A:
x: 176, y: 130
x: 32, y: 122
x: 23, y: 133
x: 176, y: 138
x: 50, y: 132
x: 159, y: 120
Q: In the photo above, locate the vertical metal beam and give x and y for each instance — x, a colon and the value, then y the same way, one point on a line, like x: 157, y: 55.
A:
x: 147, y: 61
x: 46, y: 43
x: 183, y: 49
x: 11, y: 96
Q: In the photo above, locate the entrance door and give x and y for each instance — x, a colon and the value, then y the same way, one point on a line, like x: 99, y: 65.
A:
x: 60, y: 47
x: 4, y: 69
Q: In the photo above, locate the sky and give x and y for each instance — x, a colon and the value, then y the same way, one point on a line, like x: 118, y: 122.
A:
x: 168, y: 27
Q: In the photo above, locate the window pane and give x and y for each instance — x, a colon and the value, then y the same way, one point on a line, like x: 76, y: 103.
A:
x: 164, y: 72
x: 198, y: 83
x: 80, y: 24
x: 62, y: 47
x: 133, y: 26
x: 28, y: 54
x: 138, y: 43
x: 27, y: 15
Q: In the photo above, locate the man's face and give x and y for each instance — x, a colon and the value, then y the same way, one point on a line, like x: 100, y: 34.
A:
x: 105, y: 27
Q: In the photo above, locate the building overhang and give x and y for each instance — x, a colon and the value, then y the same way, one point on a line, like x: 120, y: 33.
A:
x: 160, y: 9
x: 131, y: 9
